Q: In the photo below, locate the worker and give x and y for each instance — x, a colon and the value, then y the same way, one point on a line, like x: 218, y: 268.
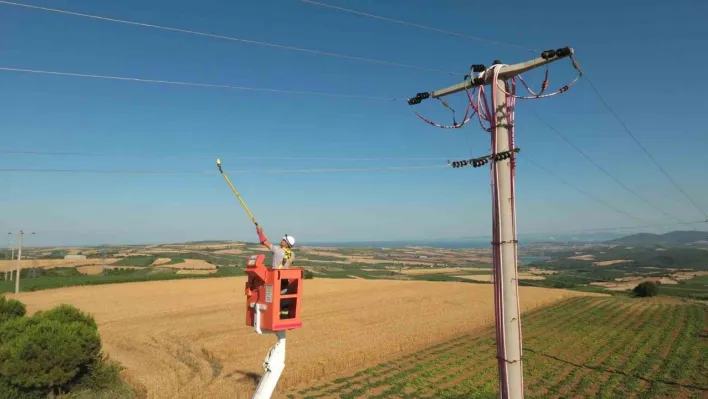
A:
x: 283, y: 257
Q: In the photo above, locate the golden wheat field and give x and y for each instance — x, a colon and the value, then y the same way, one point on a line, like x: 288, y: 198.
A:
x: 187, y: 338
x: 52, y: 263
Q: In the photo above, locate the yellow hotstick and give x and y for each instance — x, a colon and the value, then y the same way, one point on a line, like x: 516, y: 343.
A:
x: 218, y: 164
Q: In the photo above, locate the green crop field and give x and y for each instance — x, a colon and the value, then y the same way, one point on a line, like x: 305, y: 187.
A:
x: 584, y: 347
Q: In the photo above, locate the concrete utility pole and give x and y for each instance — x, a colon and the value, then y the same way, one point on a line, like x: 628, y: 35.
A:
x: 12, y: 256
x: 504, y: 242
x: 19, y: 260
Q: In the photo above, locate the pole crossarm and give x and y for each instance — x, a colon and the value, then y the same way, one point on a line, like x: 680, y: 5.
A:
x: 506, y: 72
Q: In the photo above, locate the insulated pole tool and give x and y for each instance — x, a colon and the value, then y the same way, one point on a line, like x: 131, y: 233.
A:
x: 218, y: 164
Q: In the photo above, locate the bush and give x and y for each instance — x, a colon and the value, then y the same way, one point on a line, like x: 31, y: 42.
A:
x: 68, y: 314
x: 52, y: 352
x: 10, y: 309
x: 646, y: 289
x: 309, y: 275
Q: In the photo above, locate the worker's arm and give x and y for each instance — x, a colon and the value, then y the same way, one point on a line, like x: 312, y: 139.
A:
x: 263, y: 239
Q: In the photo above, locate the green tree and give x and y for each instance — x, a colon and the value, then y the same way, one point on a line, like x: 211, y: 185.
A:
x: 10, y: 309
x: 52, y: 352
x: 68, y: 314
x: 49, y: 354
x: 646, y: 289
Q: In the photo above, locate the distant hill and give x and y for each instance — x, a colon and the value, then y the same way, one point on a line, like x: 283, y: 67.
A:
x: 672, y: 238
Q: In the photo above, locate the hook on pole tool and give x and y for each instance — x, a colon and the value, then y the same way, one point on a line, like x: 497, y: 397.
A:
x: 218, y: 164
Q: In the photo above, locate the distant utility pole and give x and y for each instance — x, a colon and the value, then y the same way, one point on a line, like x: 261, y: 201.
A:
x: 504, y: 242
x: 12, y: 256
x: 19, y: 260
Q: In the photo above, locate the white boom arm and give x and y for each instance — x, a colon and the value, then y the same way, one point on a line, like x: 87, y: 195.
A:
x: 273, y: 367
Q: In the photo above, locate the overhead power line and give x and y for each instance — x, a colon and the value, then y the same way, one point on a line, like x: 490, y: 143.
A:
x: 629, y: 132
x: 614, y: 208
x: 599, y: 230
x: 177, y: 172
x: 170, y: 82
x: 398, y: 21
x: 191, y: 156
x: 596, y: 165
x: 231, y: 38
x: 594, y: 88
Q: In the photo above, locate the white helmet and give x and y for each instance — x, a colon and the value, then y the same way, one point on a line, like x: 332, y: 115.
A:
x: 290, y: 240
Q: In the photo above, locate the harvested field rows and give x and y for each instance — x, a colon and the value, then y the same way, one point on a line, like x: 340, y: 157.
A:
x: 51, y: 263
x: 161, y: 261
x: 183, y: 339
x: 580, y: 348
x: 189, y: 264
x: 93, y: 270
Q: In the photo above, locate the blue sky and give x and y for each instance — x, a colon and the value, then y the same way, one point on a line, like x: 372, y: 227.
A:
x: 634, y: 52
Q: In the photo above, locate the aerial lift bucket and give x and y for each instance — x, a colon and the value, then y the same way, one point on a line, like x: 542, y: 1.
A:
x: 272, y: 307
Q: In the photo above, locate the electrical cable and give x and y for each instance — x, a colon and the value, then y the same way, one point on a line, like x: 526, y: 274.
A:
x: 188, y: 156
x: 629, y: 132
x: 581, y: 190
x: 596, y: 165
x: 236, y: 39
x: 176, y: 172
x: 540, y: 95
x: 580, y: 231
x: 142, y: 80
x: 443, y: 31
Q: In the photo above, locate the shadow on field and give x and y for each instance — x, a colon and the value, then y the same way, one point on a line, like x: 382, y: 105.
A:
x: 618, y: 372
x: 253, y: 377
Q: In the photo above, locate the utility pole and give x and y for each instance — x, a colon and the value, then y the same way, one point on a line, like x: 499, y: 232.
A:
x: 504, y: 242
x: 19, y: 260
x: 12, y: 256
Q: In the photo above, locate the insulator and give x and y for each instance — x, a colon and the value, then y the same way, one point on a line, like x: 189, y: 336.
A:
x: 548, y: 54
x: 478, y: 68
x: 478, y: 81
x: 414, y: 100
x: 562, y: 52
x: 496, y: 62
x: 423, y: 96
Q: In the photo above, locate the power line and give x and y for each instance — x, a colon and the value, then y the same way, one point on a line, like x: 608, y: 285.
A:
x: 236, y: 39
x: 595, y: 164
x: 142, y: 80
x: 605, y: 229
x: 629, y: 132
x: 398, y: 21
x: 184, y: 156
x: 582, y: 191
x: 604, y: 102
x: 177, y: 172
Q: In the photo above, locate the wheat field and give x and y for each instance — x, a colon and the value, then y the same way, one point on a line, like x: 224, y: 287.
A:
x: 52, y: 263
x: 187, y: 338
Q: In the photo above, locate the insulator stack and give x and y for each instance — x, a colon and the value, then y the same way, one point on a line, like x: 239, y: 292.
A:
x: 418, y: 98
x: 477, y: 162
